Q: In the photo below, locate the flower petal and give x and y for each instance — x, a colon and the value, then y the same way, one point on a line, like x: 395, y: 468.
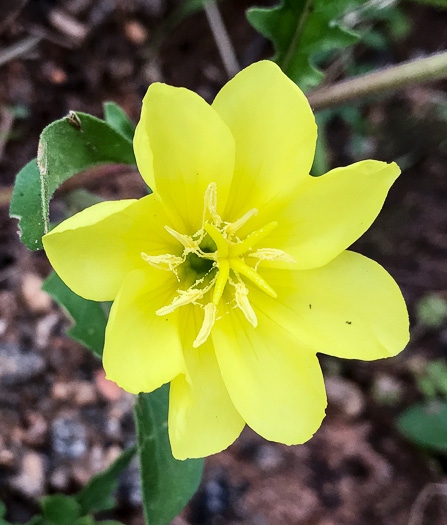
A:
x: 94, y: 250
x: 275, y: 385
x: 350, y: 308
x: 182, y: 145
x: 275, y: 134
x: 328, y: 213
x: 142, y: 350
x: 202, y: 418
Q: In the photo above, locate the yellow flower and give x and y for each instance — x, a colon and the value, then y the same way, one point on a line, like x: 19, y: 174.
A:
x: 233, y: 274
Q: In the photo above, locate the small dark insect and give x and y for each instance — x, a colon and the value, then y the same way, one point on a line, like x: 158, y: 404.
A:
x: 74, y: 120
x: 348, y: 322
x: 310, y: 307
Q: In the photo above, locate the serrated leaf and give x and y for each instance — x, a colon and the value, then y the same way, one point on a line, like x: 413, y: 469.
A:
x: 95, y: 496
x: 66, y: 147
x: 167, y: 484
x: 426, y: 425
x: 117, y: 118
x: 89, y: 317
x: 59, y: 509
x: 300, y: 30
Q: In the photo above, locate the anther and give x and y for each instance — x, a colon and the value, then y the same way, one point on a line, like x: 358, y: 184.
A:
x: 272, y: 254
x: 207, y: 325
x: 166, y: 262
x: 210, y: 203
x: 244, y: 304
x: 183, y: 239
x: 184, y: 298
x: 233, y: 227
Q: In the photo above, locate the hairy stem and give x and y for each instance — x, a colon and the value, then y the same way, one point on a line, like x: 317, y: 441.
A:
x: 395, y: 77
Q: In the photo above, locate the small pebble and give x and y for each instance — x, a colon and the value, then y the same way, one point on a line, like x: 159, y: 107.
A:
x: 135, y: 32
x: 31, y: 479
x: 81, y: 392
x: 18, y: 365
x: 36, y: 299
x: 68, y: 438
x: 346, y: 395
x: 269, y: 457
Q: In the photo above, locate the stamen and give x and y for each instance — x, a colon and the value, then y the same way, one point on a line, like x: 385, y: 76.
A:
x: 244, y: 304
x: 218, y: 238
x: 273, y: 254
x: 184, y: 298
x: 208, y: 323
x: 183, y: 239
x: 210, y: 203
x: 241, y: 247
x: 221, y: 281
x: 166, y: 262
x: 239, y: 266
x: 233, y: 227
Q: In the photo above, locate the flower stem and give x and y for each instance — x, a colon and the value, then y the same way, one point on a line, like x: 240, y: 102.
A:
x: 412, y: 72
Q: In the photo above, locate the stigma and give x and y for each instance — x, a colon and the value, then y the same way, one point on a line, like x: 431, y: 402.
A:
x: 225, y: 268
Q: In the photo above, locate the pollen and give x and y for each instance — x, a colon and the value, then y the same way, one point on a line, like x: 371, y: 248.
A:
x: 225, y: 260
x: 163, y: 262
x: 185, y: 297
x: 208, y: 323
x: 273, y: 254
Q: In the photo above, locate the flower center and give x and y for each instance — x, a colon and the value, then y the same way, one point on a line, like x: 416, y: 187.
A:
x: 214, y: 261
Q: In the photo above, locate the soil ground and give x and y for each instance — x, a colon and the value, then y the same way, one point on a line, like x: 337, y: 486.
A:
x: 61, y: 421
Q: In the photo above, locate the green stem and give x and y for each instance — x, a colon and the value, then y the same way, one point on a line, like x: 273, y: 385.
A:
x: 284, y: 63
x: 395, y: 77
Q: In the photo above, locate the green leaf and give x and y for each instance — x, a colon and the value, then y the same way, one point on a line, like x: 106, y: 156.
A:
x: 89, y: 317
x: 25, y: 205
x: 59, y: 509
x: 167, y: 484
x: 117, y: 118
x: 95, y: 496
x: 66, y: 147
x: 426, y: 425
x: 300, y: 30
